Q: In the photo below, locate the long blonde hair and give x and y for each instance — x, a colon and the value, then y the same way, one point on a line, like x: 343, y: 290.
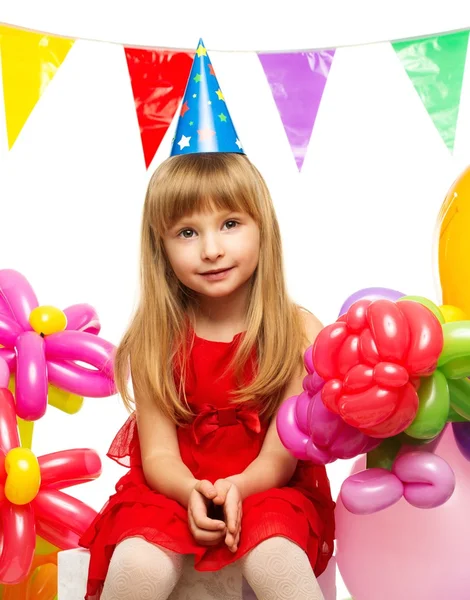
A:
x: 158, y: 331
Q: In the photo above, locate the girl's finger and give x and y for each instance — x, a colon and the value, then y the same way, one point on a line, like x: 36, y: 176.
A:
x: 206, y: 488
x: 208, y: 524
x: 203, y: 536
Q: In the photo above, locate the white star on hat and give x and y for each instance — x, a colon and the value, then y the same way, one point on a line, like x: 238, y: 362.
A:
x: 238, y: 143
x: 184, y: 142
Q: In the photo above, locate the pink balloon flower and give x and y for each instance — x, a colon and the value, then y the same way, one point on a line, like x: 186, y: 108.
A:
x: 40, y: 357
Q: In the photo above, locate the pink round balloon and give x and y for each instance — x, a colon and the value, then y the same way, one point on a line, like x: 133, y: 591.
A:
x: 408, y: 552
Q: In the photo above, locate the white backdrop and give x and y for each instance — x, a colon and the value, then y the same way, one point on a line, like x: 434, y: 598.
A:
x: 361, y: 213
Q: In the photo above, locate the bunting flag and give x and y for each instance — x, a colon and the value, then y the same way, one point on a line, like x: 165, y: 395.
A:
x: 158, y: 80
x: 297, y: 82
x: 29, y: 62
x: 436, y: 66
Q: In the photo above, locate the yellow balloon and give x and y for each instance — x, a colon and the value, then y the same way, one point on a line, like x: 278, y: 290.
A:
x: 452, y: 313
x: 47, y: 319
x: 25, y: 429
x: 65, y: 401
x: 44, y: 547
x: 454, y: 243
x: 23, y: 476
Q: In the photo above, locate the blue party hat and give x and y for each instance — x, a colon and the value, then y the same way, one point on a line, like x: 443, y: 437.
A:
x: 204, y: 123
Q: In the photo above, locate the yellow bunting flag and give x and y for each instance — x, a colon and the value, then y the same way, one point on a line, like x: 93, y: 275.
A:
x: 29, y: 62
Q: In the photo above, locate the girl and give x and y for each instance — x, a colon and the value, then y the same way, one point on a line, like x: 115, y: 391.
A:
x: 214, y: 347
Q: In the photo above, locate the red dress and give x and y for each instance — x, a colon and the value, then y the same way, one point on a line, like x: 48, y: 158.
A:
x: 221, y: 441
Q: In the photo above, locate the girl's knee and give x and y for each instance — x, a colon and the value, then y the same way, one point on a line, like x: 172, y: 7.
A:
x: 138, y: 566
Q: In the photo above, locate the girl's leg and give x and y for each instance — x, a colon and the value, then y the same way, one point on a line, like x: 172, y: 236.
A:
x: 278, y: 569
x: 140, y: 570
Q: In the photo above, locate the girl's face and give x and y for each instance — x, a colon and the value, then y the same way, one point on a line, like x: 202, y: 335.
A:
x: 213, y: 253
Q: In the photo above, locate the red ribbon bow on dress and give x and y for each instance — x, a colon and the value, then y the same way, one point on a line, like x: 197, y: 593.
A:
x: 210, y: 418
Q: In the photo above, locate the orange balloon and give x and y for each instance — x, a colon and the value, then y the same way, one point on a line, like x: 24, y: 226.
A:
x: 454, y: 243
x: 43, y: 586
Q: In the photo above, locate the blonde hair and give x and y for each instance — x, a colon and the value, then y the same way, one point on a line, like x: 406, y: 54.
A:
x: 158, y: 331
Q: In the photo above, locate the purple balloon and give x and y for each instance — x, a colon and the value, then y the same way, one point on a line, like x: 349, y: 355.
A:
x: 462, y: 437
x: 302, y: 412
x: 372, y: 293
x: 330, y: 433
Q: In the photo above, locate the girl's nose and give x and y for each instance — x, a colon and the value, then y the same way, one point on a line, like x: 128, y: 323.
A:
x: 212, y: 248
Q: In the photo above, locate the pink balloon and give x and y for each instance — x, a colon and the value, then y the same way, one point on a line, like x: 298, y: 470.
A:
x: 371, y: 490
x: 9, y: 437
x: 308, y: 360
x: 9, y: 356
x: 31, y: 376
x: 79, y: 380
x: 67, y: 346
x: 18, y: 295
x: 293, y: 438
x: 429, y: 480
x: 4, y: 308
x: 9, y: 331
x: 4, y: 373
x: 83, y: 347
x: 82, y: 317
x: 407, y: 552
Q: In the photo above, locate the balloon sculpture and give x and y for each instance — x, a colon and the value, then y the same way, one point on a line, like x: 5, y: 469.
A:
x: 42, y: 353
x: 386, y: 381
x: 383, y: 380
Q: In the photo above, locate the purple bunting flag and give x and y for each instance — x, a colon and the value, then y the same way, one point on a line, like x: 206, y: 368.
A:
x: 297, y: 81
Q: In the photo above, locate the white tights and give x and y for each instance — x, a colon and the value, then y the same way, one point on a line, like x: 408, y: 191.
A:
x: 277, y: 569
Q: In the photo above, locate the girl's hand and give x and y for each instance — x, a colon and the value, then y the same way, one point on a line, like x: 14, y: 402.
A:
x: 206, y: 531
x: 229, y: 497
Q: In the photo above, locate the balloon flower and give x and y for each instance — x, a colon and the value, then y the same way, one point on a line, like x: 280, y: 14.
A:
x: 384, y: 380
x: 43, y: 345
x: 31, y: 501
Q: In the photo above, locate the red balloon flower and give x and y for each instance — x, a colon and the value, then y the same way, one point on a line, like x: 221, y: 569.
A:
x: 30, y: 500
x: 371, y: 360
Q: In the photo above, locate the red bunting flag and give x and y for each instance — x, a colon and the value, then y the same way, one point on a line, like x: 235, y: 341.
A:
x: 158, y: 80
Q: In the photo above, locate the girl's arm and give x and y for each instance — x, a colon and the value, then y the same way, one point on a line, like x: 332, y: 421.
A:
x: 163, y: 468
x: 275, y: 465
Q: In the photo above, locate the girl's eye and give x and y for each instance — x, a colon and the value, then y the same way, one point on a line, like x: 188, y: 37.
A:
x: 186, y: 233
x: 231, y: 224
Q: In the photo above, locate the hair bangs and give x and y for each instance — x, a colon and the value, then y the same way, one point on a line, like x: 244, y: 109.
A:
x: 199, y: 183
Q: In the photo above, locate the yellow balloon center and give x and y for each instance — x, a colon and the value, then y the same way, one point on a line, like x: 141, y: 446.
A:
x: 47, y: 319
x: 23, y: 476
x: 452, y: 313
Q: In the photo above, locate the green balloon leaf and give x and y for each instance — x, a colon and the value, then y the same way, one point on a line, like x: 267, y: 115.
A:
x: 454, y: 360
x: 384, y: 455
x: 433, y: 410
x: 428, y: 304
x: 459, y: 391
